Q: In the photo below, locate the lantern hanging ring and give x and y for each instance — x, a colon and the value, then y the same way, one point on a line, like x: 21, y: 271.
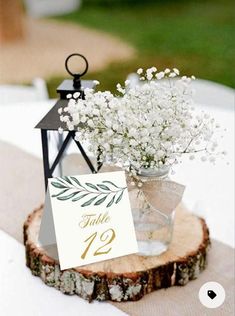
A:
x: 76, y: 76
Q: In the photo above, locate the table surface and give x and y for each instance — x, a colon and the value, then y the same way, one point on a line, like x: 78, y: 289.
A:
x: 30, y: 296
x: 209, y: 193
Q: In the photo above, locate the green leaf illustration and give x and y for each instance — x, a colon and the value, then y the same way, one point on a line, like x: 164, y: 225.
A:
x: 65, y: 178
x: 58, y: 185
x: 120, y: 197
x: 88, y: 202
x: 79, y: 197
x: 60, y: 193
x: 111, y: 183
x: 67, y: 197
x: 76, y: 181
x: 111, y: 202
x: 74, y: 187
x: 103, y: 187
x: 100, y: 201
x: 92, y: 186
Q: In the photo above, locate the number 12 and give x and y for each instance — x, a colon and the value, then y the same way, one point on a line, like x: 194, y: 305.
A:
x: 104, y: 237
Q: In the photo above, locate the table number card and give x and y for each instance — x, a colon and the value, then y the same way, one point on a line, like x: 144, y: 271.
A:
x: 89, y: 217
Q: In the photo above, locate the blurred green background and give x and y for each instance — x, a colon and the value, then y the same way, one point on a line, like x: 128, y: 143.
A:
x: 195, y: 36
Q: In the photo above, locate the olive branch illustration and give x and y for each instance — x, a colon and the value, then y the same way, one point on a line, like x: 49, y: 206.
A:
x: 72, y: 189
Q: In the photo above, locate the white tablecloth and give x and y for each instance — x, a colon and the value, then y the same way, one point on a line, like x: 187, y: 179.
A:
x: 22, y: 294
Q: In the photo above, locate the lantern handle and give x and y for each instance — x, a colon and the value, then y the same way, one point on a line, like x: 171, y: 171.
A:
x: 76, y: 76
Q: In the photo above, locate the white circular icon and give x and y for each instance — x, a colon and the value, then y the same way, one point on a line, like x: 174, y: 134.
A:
x: 212, y: 294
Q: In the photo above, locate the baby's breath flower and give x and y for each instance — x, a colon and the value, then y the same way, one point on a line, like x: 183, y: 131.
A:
x: 76, y: 95
x: 120, y: 89
x: 172, y: 75
x: 148, y: 126
x: 60, y: 130
x: 96, y: 82
x: 176, y: 71
x: 70, y: 127
x: 69, y: 96
x: 160, y: 75
x: 140, y: 71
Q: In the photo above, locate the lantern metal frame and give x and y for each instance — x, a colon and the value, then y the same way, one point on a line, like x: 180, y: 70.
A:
x: 51, y: 122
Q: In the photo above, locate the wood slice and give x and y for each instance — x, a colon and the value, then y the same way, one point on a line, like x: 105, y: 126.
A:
x: 126, y: 278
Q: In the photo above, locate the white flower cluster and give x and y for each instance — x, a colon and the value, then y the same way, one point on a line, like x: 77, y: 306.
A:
x: 147, y: 126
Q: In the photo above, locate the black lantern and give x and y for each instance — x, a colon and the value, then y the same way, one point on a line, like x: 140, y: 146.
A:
x: 51, y: 121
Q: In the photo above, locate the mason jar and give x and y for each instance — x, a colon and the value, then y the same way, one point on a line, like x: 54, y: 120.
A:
x: 153, y: 222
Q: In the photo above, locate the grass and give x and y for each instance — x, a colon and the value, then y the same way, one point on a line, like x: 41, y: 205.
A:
x: 195, y: 36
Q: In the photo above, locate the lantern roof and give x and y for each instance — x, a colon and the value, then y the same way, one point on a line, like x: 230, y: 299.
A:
x: 51, y: 121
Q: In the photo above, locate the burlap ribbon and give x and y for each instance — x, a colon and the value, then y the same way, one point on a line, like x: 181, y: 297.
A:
x: 162, y: 195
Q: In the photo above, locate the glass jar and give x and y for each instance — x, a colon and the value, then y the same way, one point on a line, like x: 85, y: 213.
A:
x: 152, y: 219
